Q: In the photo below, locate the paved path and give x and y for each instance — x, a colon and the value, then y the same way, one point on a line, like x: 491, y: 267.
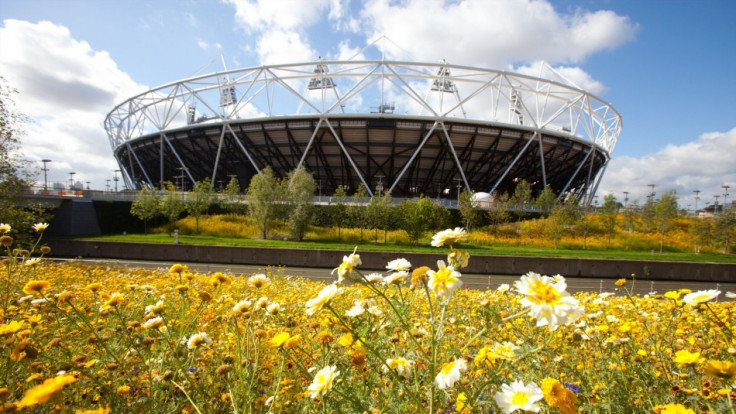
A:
x: 471, y: 281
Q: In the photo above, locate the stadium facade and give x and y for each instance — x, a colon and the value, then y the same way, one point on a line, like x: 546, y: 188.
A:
x: 410, y: 128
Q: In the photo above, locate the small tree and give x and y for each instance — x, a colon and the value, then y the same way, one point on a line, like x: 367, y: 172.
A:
x: 379, y: 213
x: 262, y: 196
x: 300, y: 191
x: 231, y: 200
x: 498, y: 213
x: 171, y: 205
x: 725, y: 228
x: 665, y: 210
x: 339, y: 210
x: 701, y: 230
x: 469, y: 209
x: 609, y: 212
x: 418, y: 216
x: 200, y: 199
x: 356, y: 210
x: 147, y: 205
x: 521, y: 198
x: 546, y: 200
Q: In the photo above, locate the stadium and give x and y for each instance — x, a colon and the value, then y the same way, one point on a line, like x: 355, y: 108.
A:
x: 404, y: 127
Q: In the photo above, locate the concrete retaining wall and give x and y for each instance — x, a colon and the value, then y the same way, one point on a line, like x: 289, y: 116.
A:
x: 480, y: 264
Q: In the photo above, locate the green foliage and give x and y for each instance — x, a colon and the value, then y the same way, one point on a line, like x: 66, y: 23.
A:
x: 262, y: 196
x: 356, y: 210
x: 665, y: 210
x: 725, y: 229
x: 300, y: 191
x: 420, y: 215
x: 200, y: 199
x: 16, y: 176
x: 469, y: 210
x: 546, y: 200
x: 146, y: 206
x: 498, y: 212
x: 379, y: 214
x: 609, y: 211
x: 232, y: 200
x: 172, y: 206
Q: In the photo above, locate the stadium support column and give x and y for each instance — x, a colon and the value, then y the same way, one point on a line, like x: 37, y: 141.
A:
x: 513, y: 163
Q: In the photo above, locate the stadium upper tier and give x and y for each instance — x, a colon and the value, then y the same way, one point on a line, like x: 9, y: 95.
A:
x: 411, y: 128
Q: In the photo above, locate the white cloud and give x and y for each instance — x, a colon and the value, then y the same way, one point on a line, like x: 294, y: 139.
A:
x: 66, y: 88
x: 495, y: 33
x: 263, y: 15
x: 704, y: 164
x: 283, y: 46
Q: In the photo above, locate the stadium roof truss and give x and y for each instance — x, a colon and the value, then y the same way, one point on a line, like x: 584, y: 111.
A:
x: 423, y: 128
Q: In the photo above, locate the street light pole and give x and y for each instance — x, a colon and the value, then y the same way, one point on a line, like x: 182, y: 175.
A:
x: 45, y: 174
x: 725, y: 194
x: 626, y: 198
x: 715, y: 207
x: 71, y: 180
x: 697, y: 197
x: 651, y: 191
x: 116, y: 179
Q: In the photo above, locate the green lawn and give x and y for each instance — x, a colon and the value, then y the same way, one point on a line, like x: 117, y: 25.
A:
x: 501, y: 250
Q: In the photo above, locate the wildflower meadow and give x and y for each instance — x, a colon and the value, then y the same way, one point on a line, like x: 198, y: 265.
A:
x: 86, y: 338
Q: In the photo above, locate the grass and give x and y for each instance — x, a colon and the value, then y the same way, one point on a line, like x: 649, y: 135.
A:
x: 500, y: 250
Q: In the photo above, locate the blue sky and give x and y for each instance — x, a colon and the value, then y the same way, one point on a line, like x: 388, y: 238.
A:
x: 666, y: 66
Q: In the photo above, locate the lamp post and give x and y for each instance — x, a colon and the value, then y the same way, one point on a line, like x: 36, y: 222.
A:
x: 459, y: 186
x: 45, y: 174
x: 725, y: 194
x: 116, y: 179
x: 651, y: 191
x: 71, y: 180
x: 697, y: 197
x: 626, y: 198
x: 715, y: 206
x: 107, y: 186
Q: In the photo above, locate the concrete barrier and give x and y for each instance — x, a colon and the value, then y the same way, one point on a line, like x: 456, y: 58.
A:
x: 479, y: 264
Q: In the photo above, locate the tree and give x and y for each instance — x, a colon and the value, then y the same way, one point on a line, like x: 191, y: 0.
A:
x: 469, y: 210
x: 498, y: 213
x: 15, y: 174
x: 609, y: 212
x: 665, y: 210
x: 339, y: 210
x: 546, y: 200
x: 725, y: 228
x: 199, y: 200
x: 701, y: 230
x: 521, y: 198
x: 420, y: 215
x: 562, y: 216
x: 379, y: 213
x: 146, y: 206
x: 171, y: 204
x: 300, y: 192
x: 262, y: 196
x: 231, y: 200
x: 356, y: 210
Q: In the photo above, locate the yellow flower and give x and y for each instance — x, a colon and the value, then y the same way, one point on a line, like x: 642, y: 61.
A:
x: 4, y: 393
x: 402, y: 366
x: 258, y: 281
x: 116, y: 299
x: 620, y: 282
x: 445, y: 281
x: 348, y: 265
x: 124, y: 389
x: 449, y: 236
x: 685, y: 357
x: 43, y: 392
x: 278, y: 340
x: 94, y: 287
x: 220, y: 279
x: 548, y: 300
x: 35, y: 286
x: 323, y: 381
x: 721, y: 369
x: 672, y: 409
x: 178, y: 268
x: 458, y: 258
x: 293, y: 341
x: 39, y: 227
x: 461, y: 404
x: 5, y: 228
x: 557, y: 395
x: 11, y: 327
x: 198, y: 339
x: 672, y: 294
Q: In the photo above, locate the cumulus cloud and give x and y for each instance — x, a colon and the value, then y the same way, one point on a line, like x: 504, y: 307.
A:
x: 66, y: 88
x: 704, y: 164
x: 496, y: 33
